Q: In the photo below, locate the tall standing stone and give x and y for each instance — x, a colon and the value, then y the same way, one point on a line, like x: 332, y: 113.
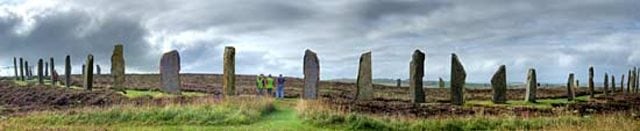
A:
x: 88, y: 73
x: 311, y: 69
x: 364, y: 82
x: 118, y: 68
x: 21, y: 69
x: 570, y: 87
x: 170, y: 72
x: 577, y: 83
x: 98, y: 70
x: 499, y: 85
x: 27, y: 70
x: 532, y: 86
x: 15, y: 68
x: 458, y: 79
x: 622, y: 84
x: 52, y: 67
x: 441, y: 83
x: 46, y: 69
x: 40, y: 72
x: 606, y: 84
x: 613, y: 84
x: 637, y: 80
x: 416, y: 72
x: 398, y: 83
x: 629, y: 81
x: 591, y: 83
x: 229, y: 67
x: 67, y: 71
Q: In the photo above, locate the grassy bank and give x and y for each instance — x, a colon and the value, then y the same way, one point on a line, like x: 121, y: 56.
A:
x: 314, y: 113
x: 208, y: 112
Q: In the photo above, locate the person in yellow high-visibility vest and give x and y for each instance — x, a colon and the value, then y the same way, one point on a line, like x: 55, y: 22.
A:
x: 260, y: 84
x: 270, y: 85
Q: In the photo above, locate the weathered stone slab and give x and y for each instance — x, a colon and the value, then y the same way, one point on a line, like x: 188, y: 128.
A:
x: 311, y: 69
x: 457, y: 81
x: 118, y: 68
x: 591, y: 83
x: 416, y: 74
x: 40, y: 72
x: 27, y: 70
x: 229, y: 70
x: 441, y: 83
x: 98, y: 70
x: 606, y: 84
x: 622, y: 84
x: 398, y: 83
x: 46, y: 69
x: 532, y: 86
x: 22, y: 69
x: 170, y: 72
x: 364, y: 80
x: 67, y: 71
x: 15, y: 68
x: 499, y: 85
x: 88, y: 73
x: 629, y: 81
x: 570, y: 87
x: 613, y: 84
x: 53, y: 69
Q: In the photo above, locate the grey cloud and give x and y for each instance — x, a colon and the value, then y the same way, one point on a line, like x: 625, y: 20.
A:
x: 555, y: 37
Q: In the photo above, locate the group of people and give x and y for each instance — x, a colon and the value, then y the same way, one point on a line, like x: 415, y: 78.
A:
x: 269, y: 83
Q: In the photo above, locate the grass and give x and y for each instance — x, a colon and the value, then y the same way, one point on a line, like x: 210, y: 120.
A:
x: 157, y: 94
x: 541, y: 103
x: 208, y: 112
x: 316, y: 114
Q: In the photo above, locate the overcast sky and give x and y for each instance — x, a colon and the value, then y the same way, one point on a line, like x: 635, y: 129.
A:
x: 270, y: 36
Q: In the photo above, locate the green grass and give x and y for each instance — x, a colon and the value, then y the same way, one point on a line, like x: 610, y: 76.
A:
x: 157, y: 94
x: 207, y: 112
x: 541, y: 103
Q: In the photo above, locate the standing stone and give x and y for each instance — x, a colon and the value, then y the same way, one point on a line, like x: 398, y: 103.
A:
x: 606, y: 84
x: 416, y: 73
x: 457, y: 81
x: 577, y: 83
x: 98, y: 70
x: 67, y: 71
x: 613, y: 84
x: 637, y: 80
x: 591, y: 83
x: 363, y: 83
x: 27, y: 70
x: 311, y: 69
x: 46, y: 69
x: 531, y: 86
x: 118, y: 68
x: 21, y: 69
x: 15, y: 68
x: 83, y: 70
x: 398, y: 83
x: 570, y: 87
x: 40, y: 72
x: 88, y: 73
x: 441, y: 83
x: 622, y: 84
x: 53, y: 69
x: 170, y: 72
x: 229, y: 67
x: 629, y: 81
x: 499, y: 85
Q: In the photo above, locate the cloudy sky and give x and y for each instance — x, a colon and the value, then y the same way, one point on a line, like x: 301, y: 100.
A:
x: 270, y: 36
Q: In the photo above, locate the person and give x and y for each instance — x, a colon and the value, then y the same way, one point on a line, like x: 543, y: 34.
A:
x: 280, y: 89
x: 270, y: 84
x: 260, y: 84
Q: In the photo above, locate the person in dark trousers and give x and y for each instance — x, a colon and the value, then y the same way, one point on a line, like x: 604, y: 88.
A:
x: 280, y: 88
